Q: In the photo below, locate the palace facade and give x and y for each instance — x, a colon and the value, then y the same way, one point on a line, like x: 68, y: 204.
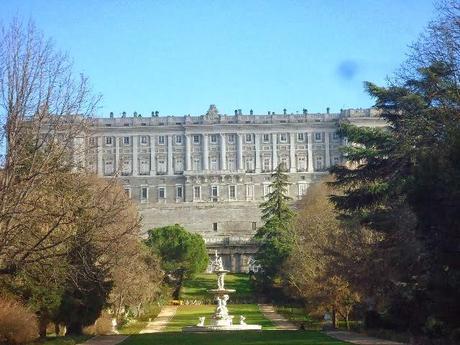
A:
x: 209, y: 173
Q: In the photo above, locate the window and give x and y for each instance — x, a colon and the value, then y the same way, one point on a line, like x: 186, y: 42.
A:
x: 213, y: 138
x: 161, y: 140
x: 196, y: 193
x: 319, y: 163
x: 302, y: 189
x: 232, y: 192
x: 254, y: 226
x: 318, y: 137
x: 126, y: 167
x: 161, y: 169
x: 144, y: 167
x: 178, y: 139
x: 214, y: 226
x: 179, y: 165
x: 335, y: 136
x: 144, y: 139
x: 249, y: 192
x: 267, y: 164
x: 284, y: 162
x: 214, y: 192
x: 231, y: 164
x: 144, y: 194
x: 108, y: 168
x: 283, y: 137
x: 266, y: 138
x: 249, y: 164
x: 301, y: 163
x: 266, y: 190
x: 336, y: 160
x: 161, y: 193
x: 300, y: 136
x: 126, y: 140
x: 92, y: 141
x: 108, y: 140
x: 248, y: 138
x: 179, y: 192
x: 128, y: 192
x: 231, y: 138
x: 214, y: 164
x: 196, y: 139
x: 196, y: 164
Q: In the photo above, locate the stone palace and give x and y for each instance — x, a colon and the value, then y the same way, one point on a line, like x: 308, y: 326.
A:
x: 209, y: 173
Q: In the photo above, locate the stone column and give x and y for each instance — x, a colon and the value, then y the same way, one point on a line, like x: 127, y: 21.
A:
x: 292, y: 162
x: 257, y: 144
x: 152, y: 156
x: 310, y: 151
x: 239, y: 151
x: 100, y: 168
x: 205, y: 152
x: 188, y: 153
x: 274, y: 151
x: 170, y: 155
x: 328, y: 153
x: 117, y: 155
x: 223, y: 152
x: 135, y: 159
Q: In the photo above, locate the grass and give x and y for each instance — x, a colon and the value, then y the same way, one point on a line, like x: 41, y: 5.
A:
x: 232, y: 338
x: 187, y: 315
x: 67, y: 340
x: 132, y: 327
x: 196, y: 288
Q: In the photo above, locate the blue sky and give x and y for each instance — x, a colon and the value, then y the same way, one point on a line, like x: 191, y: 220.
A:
x: 180, y: 56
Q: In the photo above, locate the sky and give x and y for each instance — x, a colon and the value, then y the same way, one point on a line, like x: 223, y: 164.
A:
x: 178, y: 57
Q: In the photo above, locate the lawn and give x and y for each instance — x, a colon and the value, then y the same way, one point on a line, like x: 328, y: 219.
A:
x: 233, y: 338
x: 196, y: 288
x: 68, y: 340
x: 187, y: 315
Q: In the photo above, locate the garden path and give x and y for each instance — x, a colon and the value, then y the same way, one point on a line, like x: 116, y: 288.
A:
x: 278, y: 320
x: 359, y: 339
x: 161, y: 321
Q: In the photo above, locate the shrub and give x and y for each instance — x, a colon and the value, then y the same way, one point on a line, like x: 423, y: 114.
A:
x: 103, y: 325
x: 17, y: 324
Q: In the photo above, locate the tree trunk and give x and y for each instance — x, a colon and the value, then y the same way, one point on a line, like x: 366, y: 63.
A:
x: 347, y: 321
x: 42, y: 323
x: 334, y: 318
x: 56, y: 329
x: 75, y: 328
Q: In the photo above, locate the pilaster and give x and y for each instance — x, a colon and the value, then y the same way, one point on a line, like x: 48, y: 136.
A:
x: 205, y: 152
x: 310, y: 151
x: 170, y: 155
x: 100, y: 168
x: 292, y: 161
x: 135, y: 159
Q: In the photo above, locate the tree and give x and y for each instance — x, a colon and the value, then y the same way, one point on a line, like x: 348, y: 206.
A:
x: 411, y: 168
x: 43, y: 118
x: 326, y: 256
x: 273, y: 236
x: 182, y: 253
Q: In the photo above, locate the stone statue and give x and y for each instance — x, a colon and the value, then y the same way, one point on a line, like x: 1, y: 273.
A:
x: 217, y: 263
x: 220, y: 282
x: 201, y: 321
x: 242, y: 320
x: 222, y: 310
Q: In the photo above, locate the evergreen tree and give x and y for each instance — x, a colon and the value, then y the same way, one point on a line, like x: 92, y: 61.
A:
x: 273, y: 237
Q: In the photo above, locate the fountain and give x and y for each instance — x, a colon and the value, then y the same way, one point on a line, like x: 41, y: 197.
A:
x: 221, y: 320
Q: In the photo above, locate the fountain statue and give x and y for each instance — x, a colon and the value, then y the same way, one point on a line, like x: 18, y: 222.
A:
x: 221, y: 320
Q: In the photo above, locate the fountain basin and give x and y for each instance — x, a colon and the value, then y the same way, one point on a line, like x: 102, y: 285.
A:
x: 221, y: 291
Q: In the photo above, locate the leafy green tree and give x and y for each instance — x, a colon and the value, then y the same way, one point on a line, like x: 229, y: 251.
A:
x: 182, y: 253
x: 273, y: 236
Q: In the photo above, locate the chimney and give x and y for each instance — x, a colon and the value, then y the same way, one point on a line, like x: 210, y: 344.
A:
x: 251, y: 112
x: 111, y: 114
x: 305, y: 111
x: 135, y: 114
x: 284, y: 111
x: 152, y: 113
x: 123, y: 114
x: 327, y: 110
x: 157, y: 113
x: 236, y: 112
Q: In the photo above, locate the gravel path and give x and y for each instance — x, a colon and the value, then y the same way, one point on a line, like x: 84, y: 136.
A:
x: 161, y: 321
x: 105, y: 340
x: 278, y: 320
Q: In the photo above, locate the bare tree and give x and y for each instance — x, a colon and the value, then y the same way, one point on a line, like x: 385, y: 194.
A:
x: 44, y: 113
